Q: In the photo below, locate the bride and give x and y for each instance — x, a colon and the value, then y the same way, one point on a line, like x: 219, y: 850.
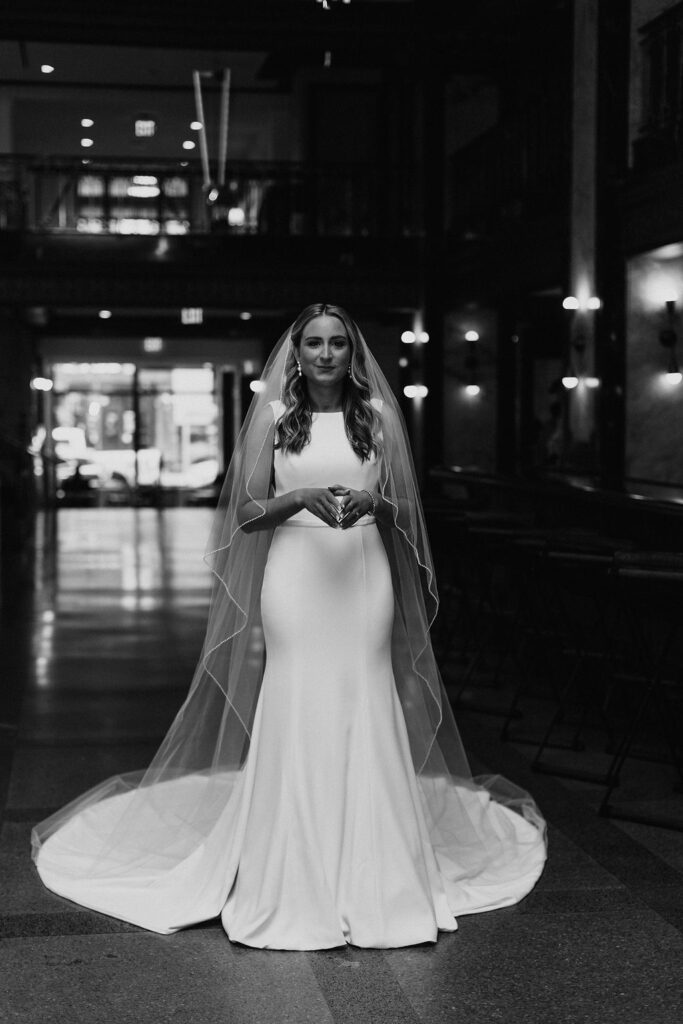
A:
x: 313, y: 790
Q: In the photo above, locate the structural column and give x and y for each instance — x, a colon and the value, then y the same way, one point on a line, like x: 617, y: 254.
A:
x: 433, y: 254
x: 583, y: 223
x: 16, y: 466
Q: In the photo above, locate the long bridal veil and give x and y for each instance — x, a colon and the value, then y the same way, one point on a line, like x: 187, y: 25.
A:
x: 152, y: 824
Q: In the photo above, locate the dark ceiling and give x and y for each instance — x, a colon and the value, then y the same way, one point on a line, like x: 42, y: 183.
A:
x: 469, y: 34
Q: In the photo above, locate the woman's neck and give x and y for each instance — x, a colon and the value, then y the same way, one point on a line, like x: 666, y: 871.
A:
x: 325, y: 399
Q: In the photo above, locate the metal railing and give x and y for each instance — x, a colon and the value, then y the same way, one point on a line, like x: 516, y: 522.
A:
x: 116, y: 196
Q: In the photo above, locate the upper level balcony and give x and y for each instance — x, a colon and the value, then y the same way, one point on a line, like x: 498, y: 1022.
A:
x: 77, y: 231
x: 660, y: 137
x: 275, y: 199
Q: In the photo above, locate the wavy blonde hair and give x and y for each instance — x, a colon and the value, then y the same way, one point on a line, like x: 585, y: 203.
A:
x: 360, y: 416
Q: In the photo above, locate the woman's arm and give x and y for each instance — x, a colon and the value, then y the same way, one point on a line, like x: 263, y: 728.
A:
x: 258, y: 509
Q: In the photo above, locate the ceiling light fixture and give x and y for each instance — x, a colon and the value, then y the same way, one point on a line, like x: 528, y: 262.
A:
x: 143, y: 191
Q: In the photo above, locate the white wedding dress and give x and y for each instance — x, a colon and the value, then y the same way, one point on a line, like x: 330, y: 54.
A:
x: 322, y: 837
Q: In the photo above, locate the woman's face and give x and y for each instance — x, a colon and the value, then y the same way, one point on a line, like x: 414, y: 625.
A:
x: 325, y: 351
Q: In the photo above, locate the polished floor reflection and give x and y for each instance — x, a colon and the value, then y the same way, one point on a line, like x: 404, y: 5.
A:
x: 97, y: 654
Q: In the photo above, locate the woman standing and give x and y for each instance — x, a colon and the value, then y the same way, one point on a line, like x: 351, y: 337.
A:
x: 313, y: 789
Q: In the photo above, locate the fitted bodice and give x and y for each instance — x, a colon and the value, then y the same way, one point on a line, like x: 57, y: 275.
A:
x: 326, y: 460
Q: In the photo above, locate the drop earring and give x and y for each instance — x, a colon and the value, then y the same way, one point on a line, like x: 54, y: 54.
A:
x: 298, y: 367
x: 350, y: 374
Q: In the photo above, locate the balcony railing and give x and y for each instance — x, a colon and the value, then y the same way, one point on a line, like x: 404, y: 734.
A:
x: 167, y: 197
x: 661, y: 131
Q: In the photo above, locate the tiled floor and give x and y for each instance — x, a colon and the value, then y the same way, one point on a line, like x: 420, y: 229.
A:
x: 96, y: 657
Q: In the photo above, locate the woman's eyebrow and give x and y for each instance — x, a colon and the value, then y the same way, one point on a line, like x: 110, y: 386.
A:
x: 316, y: 337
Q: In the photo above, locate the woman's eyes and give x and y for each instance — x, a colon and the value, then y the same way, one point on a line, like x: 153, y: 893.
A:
x: 335, y: 343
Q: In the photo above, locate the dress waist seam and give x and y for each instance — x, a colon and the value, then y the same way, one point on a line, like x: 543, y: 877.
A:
x: 366, y: 521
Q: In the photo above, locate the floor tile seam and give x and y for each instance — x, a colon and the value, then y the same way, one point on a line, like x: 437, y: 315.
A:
x: 78, y: 743
x: 409, y: 1014
x: 58, y: 692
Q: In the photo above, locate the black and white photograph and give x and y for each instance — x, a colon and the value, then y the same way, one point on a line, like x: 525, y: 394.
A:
x: 341, y: 512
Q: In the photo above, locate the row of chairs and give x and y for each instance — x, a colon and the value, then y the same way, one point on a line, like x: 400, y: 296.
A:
x: 575, y: 641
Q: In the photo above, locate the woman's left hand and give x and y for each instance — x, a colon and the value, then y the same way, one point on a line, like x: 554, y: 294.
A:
x: 354, y: 505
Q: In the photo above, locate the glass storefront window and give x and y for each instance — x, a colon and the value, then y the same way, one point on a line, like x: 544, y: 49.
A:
x: 179, y: 417
x: 106, y: 456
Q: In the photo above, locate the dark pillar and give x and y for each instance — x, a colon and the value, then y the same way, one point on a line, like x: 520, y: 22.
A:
x: 508, y: 390
x: 433, y: 254
x: 612, y: 167
x: 16, y: 465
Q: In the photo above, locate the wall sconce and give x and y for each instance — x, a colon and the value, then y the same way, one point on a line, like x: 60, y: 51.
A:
x: 472, y: 364
x: 668, y: 339
x: 572, y: 375
x: 592, y: 302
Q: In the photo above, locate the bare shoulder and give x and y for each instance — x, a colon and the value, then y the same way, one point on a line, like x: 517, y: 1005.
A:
x: 277, y: 408
x: 265, y: 418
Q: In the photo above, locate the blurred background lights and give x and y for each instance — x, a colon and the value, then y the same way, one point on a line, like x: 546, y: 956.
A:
x: 236, y: 217
x: 659, y: 286
x: 47, y: 69
x: 244, y: 315
x: 416, y: 391
x: 571, y: 302
x: 592, y: 382
x: 152, y: 344
x: 144, y: 127
x: 472, y: 390
x: 87, y: 143
x: 196, y: 126
x: 593, y: 302
x: 673, y: 377
x: 257, y: 385
x: 42, y: 384
x: 570, y: 382
x: 143, y: 191
x: 188, y: 144
x: 192, y: 315
x: 408, y: 337
x: 403, y: 362
x: 471, y: 336
x: 104, y: 314
x: 422, y: 336
x: 87, y: 122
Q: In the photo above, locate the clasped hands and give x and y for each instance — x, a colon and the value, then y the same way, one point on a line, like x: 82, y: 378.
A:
x: 337, y: 506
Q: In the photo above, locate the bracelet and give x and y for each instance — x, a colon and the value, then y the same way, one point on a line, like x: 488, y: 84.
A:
x: 372, y: 499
